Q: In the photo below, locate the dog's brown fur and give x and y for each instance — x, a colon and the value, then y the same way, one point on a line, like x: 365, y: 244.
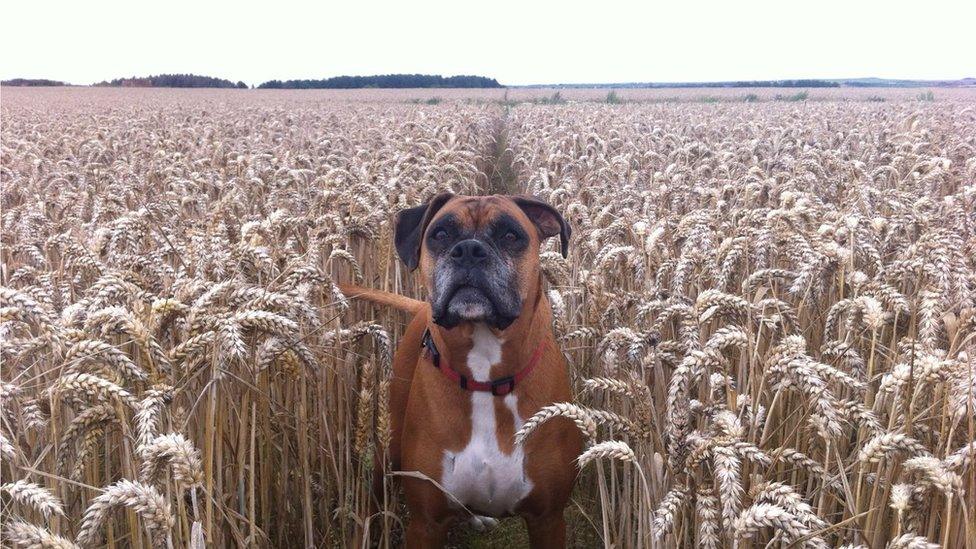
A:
x: 430, y: 414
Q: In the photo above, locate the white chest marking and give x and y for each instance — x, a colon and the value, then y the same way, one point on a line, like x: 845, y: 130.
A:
x: 482, y: 476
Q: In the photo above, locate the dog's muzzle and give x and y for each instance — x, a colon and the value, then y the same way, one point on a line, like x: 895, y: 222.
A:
x: 473, y: 284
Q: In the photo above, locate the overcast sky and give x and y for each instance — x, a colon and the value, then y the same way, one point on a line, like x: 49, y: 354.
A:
x: 517, y: 42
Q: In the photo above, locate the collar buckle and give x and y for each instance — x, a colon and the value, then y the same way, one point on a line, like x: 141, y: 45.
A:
x: 507, y: 383
x: 429, y: 348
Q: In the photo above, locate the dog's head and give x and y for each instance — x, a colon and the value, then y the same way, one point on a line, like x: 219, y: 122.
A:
x: 479, y: 255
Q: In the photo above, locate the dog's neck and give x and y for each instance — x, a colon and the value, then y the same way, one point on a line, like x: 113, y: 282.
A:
x: 519, y: 341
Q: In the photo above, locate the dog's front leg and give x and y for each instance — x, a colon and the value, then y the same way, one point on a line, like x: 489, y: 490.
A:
x: 547, y: 531
x: 423, y: 533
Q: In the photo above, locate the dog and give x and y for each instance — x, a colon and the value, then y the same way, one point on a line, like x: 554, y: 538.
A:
x: 477, y: 360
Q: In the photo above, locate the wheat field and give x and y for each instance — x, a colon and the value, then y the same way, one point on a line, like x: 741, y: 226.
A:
x: 769, y: 309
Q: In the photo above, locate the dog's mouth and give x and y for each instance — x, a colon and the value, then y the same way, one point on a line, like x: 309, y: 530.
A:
x: 470, y: 303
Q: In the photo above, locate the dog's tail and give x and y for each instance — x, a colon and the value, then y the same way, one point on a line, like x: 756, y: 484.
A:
x: 396, y: 301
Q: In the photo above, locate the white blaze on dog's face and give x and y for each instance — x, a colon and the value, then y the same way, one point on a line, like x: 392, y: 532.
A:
x: 479, y: 255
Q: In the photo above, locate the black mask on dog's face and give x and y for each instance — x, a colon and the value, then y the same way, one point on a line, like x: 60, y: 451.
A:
x: 475, y: 253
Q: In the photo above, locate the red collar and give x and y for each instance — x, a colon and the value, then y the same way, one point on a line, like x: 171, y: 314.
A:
x: 497, y: 387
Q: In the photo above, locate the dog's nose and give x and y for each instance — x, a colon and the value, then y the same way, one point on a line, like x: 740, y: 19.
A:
x: 469, y: 252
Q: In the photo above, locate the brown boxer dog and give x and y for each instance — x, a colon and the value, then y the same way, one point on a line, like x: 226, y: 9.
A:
x: 478, y: 359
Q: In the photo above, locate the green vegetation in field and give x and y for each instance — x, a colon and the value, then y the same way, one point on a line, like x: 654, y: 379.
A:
x: 799, y: 96
x: 554, y: 99
x: 613, y: 98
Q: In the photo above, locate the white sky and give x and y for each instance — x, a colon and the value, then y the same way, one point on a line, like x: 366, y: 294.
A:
x: 517, y: 42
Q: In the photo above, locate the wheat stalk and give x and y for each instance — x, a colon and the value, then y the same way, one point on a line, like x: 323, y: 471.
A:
x: 34, y: 496
x: 611, y: 449
x: 579, y: 415
x: 21, y: 534
x: 175, y: 450
x: 148, y: 503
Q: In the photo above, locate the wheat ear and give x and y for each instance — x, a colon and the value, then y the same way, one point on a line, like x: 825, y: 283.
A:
x: 145, y: 500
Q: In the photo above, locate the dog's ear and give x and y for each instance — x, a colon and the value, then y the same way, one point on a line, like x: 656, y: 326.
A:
x: 546, y: 219
x: 410, y: 226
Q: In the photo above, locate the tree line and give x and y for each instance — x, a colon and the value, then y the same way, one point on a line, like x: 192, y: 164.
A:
x: 468, y: 81
x: 337, y: 82
x: 32, y: 82
x: 172, y: 81
x: 386, y: 81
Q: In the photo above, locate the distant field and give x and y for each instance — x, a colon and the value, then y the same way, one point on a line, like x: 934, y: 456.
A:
x: 137, y: 95
x: 769, y: 309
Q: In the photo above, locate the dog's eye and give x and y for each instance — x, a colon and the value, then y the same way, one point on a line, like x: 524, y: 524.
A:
x: 440, y: 234
x: 510, y: 236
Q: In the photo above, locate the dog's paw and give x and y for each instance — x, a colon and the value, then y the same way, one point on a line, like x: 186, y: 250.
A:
x: 482, y: 524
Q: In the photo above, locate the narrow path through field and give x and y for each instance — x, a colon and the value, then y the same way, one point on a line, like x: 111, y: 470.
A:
x: 501, y: 174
